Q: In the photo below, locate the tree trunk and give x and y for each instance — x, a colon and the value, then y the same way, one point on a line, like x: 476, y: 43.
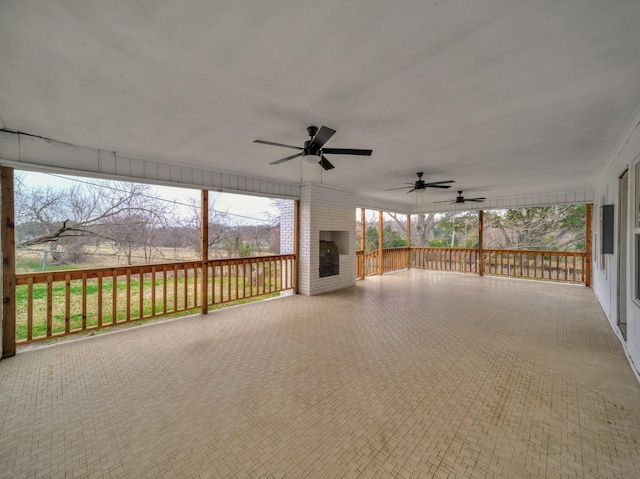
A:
x: 53, y: 249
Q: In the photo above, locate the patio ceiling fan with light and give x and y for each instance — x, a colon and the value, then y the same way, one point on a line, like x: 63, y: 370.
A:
x: 462, y: 199
x: 420, y: 184
x: 314, y: 150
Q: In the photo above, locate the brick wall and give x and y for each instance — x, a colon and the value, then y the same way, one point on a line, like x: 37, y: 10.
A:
x: 324, y: 208
x: 287, y: 223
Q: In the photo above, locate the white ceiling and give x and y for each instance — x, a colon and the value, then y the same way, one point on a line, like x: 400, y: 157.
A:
x: 505, y: 97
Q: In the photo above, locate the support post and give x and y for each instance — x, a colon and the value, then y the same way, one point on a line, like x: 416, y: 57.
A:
x: 204, y: 250
x: 380, y: 249
x: 296, y: 243
x: 8, y: 245
x: 362, y: 229
x: 588, y: 245
x: 481, y: 243
x: 409, y: 241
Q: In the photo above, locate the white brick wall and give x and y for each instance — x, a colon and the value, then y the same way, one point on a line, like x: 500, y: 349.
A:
x: 287, y: 223
x: 324, y: 208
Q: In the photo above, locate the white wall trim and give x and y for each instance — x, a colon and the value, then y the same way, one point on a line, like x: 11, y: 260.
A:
x: 524, y: 201
x: 27, y: 152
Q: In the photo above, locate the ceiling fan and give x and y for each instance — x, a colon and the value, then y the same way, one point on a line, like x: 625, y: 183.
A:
x: 314, y: 150
x: 462, y: 199
x: 420, y: 184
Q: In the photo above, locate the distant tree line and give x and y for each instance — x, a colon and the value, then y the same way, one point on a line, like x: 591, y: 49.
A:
x: 557, y: 228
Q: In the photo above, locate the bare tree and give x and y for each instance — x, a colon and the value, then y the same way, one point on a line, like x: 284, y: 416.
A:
x: 421, y: 229
x: 550, y: 227
x: 74, y: 216
x: 139, y: 222
x: 65, y: 216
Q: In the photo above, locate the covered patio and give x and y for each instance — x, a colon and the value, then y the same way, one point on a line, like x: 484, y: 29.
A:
x: 418, y: 373
x: 411, y: 374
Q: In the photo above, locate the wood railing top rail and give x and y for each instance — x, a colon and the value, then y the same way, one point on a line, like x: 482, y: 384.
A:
x: 443, y: 248
x: 533, y: 251
x: 76, y: 274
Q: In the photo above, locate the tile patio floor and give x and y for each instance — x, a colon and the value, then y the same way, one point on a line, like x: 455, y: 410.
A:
x: 414, y: 374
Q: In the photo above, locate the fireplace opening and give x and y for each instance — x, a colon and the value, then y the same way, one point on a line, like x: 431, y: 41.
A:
x: 329, y: 259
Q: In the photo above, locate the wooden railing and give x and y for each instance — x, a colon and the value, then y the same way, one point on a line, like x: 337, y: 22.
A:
x: 371, y: 263
x: 566, y: 266
x: 59, y: 303
x: 464, y: 260
x: 360, y: 264
x: 395, y: 259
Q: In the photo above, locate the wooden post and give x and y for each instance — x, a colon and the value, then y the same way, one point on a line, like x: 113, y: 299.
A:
x: 409, y: 241
x: 8, y: 246
x: 204, y: 250
x: 380, y: 259
x: 481, y: 243
x: 588, y: 246
x: 296, y: 243
x: 362, y: 230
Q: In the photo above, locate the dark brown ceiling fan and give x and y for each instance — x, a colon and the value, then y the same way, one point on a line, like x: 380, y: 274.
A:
x: 420, y: 184
x: 462, y: 199
x: 314, y: 150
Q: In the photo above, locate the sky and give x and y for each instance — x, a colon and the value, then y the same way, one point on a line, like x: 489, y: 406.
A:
x: 250, y: 209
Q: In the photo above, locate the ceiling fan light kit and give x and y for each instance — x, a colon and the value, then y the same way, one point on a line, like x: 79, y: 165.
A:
x: 420, y: 184
x: 313, y: 150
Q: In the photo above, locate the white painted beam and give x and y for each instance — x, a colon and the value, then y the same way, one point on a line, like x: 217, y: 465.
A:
x: 28, y: 152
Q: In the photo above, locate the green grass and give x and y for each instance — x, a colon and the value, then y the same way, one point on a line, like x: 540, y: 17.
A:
x: 34, y: 265
x: 58, y: 302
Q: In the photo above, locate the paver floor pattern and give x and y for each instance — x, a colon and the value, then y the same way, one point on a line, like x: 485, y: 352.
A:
x: 414, y: 374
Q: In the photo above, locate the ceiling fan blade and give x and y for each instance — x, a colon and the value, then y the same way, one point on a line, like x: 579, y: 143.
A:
x: 347, y: 151
x: 326, y: 164
x: 277, y: 144
x: 479, y: 200
x: 445, y: 201
x: 322, y: 137
x: 432, y: 185
x: 282, y: 160
x: 439, y: 182
x: 401, y: 188
x: 412, y: 189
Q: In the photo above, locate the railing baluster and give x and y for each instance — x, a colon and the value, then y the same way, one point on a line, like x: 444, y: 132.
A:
x: 30, y: 309
x: 185, y: 286
x: 175, y: 288
x: 195, y: 286
x: 114, y: 298
x: 164, y: 290
x: 67, y: 304
x: 49, y: 305
x: 222, y: 282
x: 520, y: 263
x: 128, y: 301
x: 99, y: 298
x: 141, y: 294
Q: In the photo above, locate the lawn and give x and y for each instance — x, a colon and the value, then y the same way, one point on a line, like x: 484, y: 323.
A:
x: 168, y: 295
